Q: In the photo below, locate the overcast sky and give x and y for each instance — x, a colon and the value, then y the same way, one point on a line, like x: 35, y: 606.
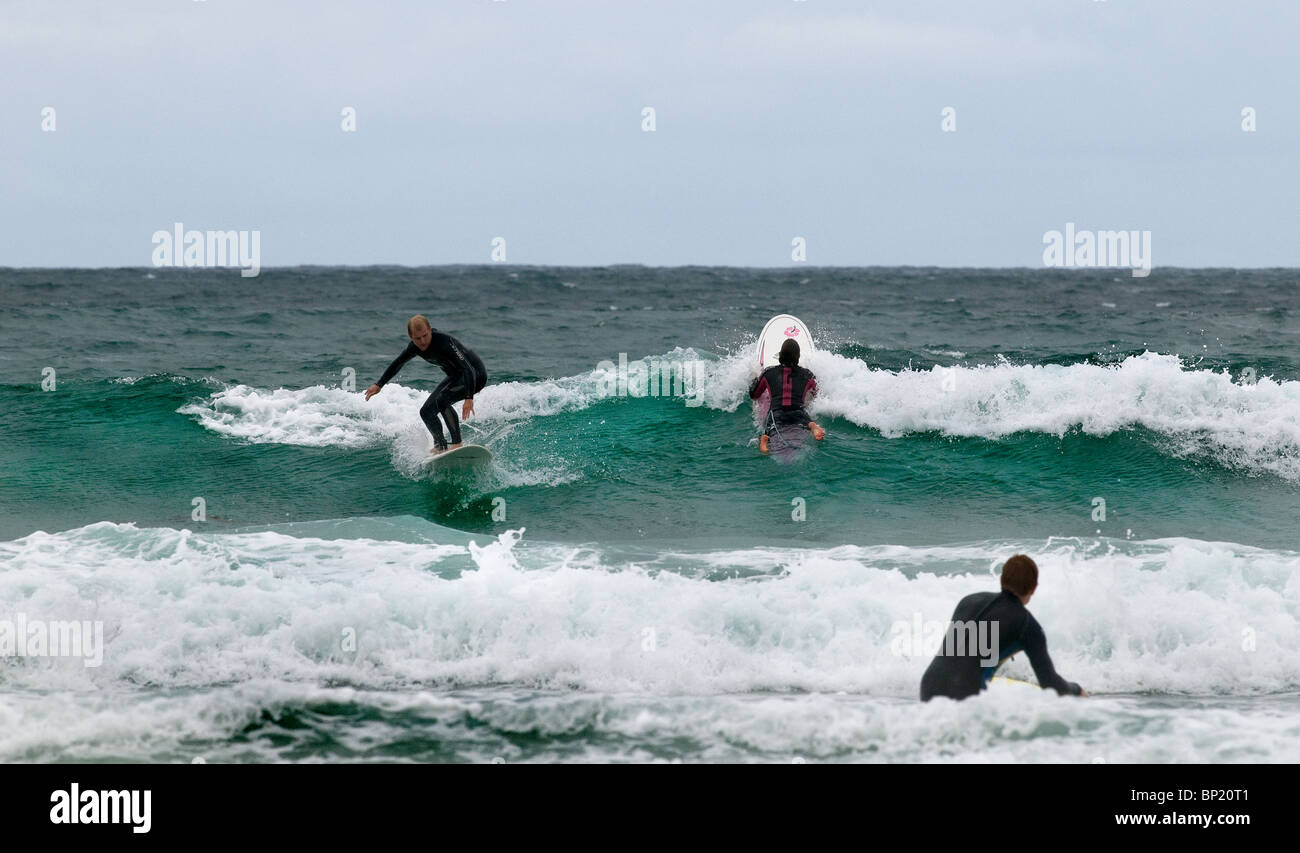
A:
x: 522, y: 119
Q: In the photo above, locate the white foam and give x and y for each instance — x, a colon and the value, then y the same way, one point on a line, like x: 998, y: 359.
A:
x: 188, y: 609
x: 1252, y: 426
x: 312, y: 417
x: 218, y: 626
x: 1255, y: 427
x: 321, y: 416
x: 485, y: 725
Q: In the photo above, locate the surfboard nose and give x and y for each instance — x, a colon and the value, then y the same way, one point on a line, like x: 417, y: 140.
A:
x: 776, y: 332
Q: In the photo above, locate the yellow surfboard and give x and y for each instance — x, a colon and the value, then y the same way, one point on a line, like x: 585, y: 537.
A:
x: 1002, y: 679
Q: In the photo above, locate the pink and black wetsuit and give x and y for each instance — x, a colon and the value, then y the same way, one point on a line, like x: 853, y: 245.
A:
x: 790, y: 387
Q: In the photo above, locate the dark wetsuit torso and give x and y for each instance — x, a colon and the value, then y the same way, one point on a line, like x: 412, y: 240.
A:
x: 790, y: 388
x: 959, y: 676
x: 466, y: 376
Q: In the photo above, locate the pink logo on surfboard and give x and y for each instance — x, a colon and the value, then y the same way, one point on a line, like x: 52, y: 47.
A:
x: 792, y: 331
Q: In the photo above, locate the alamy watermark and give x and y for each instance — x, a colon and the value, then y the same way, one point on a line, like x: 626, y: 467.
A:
x: 652, y: 377
x: 970, y: 638
x: 1098, y: 249
x: 131, y: 807
x: 181, y: 248
x: 21, y: 637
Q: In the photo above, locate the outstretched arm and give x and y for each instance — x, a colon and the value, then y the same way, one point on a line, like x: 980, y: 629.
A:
x: 1036, y: 648
x: 406, y: 355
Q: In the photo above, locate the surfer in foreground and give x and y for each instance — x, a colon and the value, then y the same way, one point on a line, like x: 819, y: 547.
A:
x: 790, y: 387
x: 961, y: 669
x: 466, y: 376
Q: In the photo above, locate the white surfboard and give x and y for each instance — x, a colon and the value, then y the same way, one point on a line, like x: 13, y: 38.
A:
x: 775, y: 333
x: 778, y: 330
x: 464, y: 456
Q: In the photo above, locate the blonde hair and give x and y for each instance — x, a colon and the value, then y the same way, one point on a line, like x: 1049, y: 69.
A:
x: 418, y: 319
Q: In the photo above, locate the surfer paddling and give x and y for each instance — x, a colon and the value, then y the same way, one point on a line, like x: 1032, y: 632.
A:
x: 790, y: 388
x: 961, y: 670
x: 466, y: 376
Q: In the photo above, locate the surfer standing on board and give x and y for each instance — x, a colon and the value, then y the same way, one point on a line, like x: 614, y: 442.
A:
x: 466, y: 376
x: 790, y: 387
x: 1014, y: 629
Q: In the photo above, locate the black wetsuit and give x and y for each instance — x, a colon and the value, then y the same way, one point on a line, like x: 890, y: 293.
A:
x: 466, y: 376
x: 959, y: 676
x: 790, y: 388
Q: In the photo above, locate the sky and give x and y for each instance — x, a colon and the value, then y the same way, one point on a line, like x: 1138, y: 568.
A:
x: 524, y: 120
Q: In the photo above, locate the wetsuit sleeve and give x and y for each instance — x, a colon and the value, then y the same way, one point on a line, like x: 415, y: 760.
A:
x: 407, y: 355
x: 811, y: 390
x: 1035, y: 643
x: 758, y: 386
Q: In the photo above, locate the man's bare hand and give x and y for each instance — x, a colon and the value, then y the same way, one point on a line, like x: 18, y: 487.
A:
x: 372, y: 391
x: 467, y: 410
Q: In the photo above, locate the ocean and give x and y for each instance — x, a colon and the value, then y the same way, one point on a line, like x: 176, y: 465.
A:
x: 188, y: 467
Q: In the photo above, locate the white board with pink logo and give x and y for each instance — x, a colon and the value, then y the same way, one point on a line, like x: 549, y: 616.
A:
x: 775, y: 333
